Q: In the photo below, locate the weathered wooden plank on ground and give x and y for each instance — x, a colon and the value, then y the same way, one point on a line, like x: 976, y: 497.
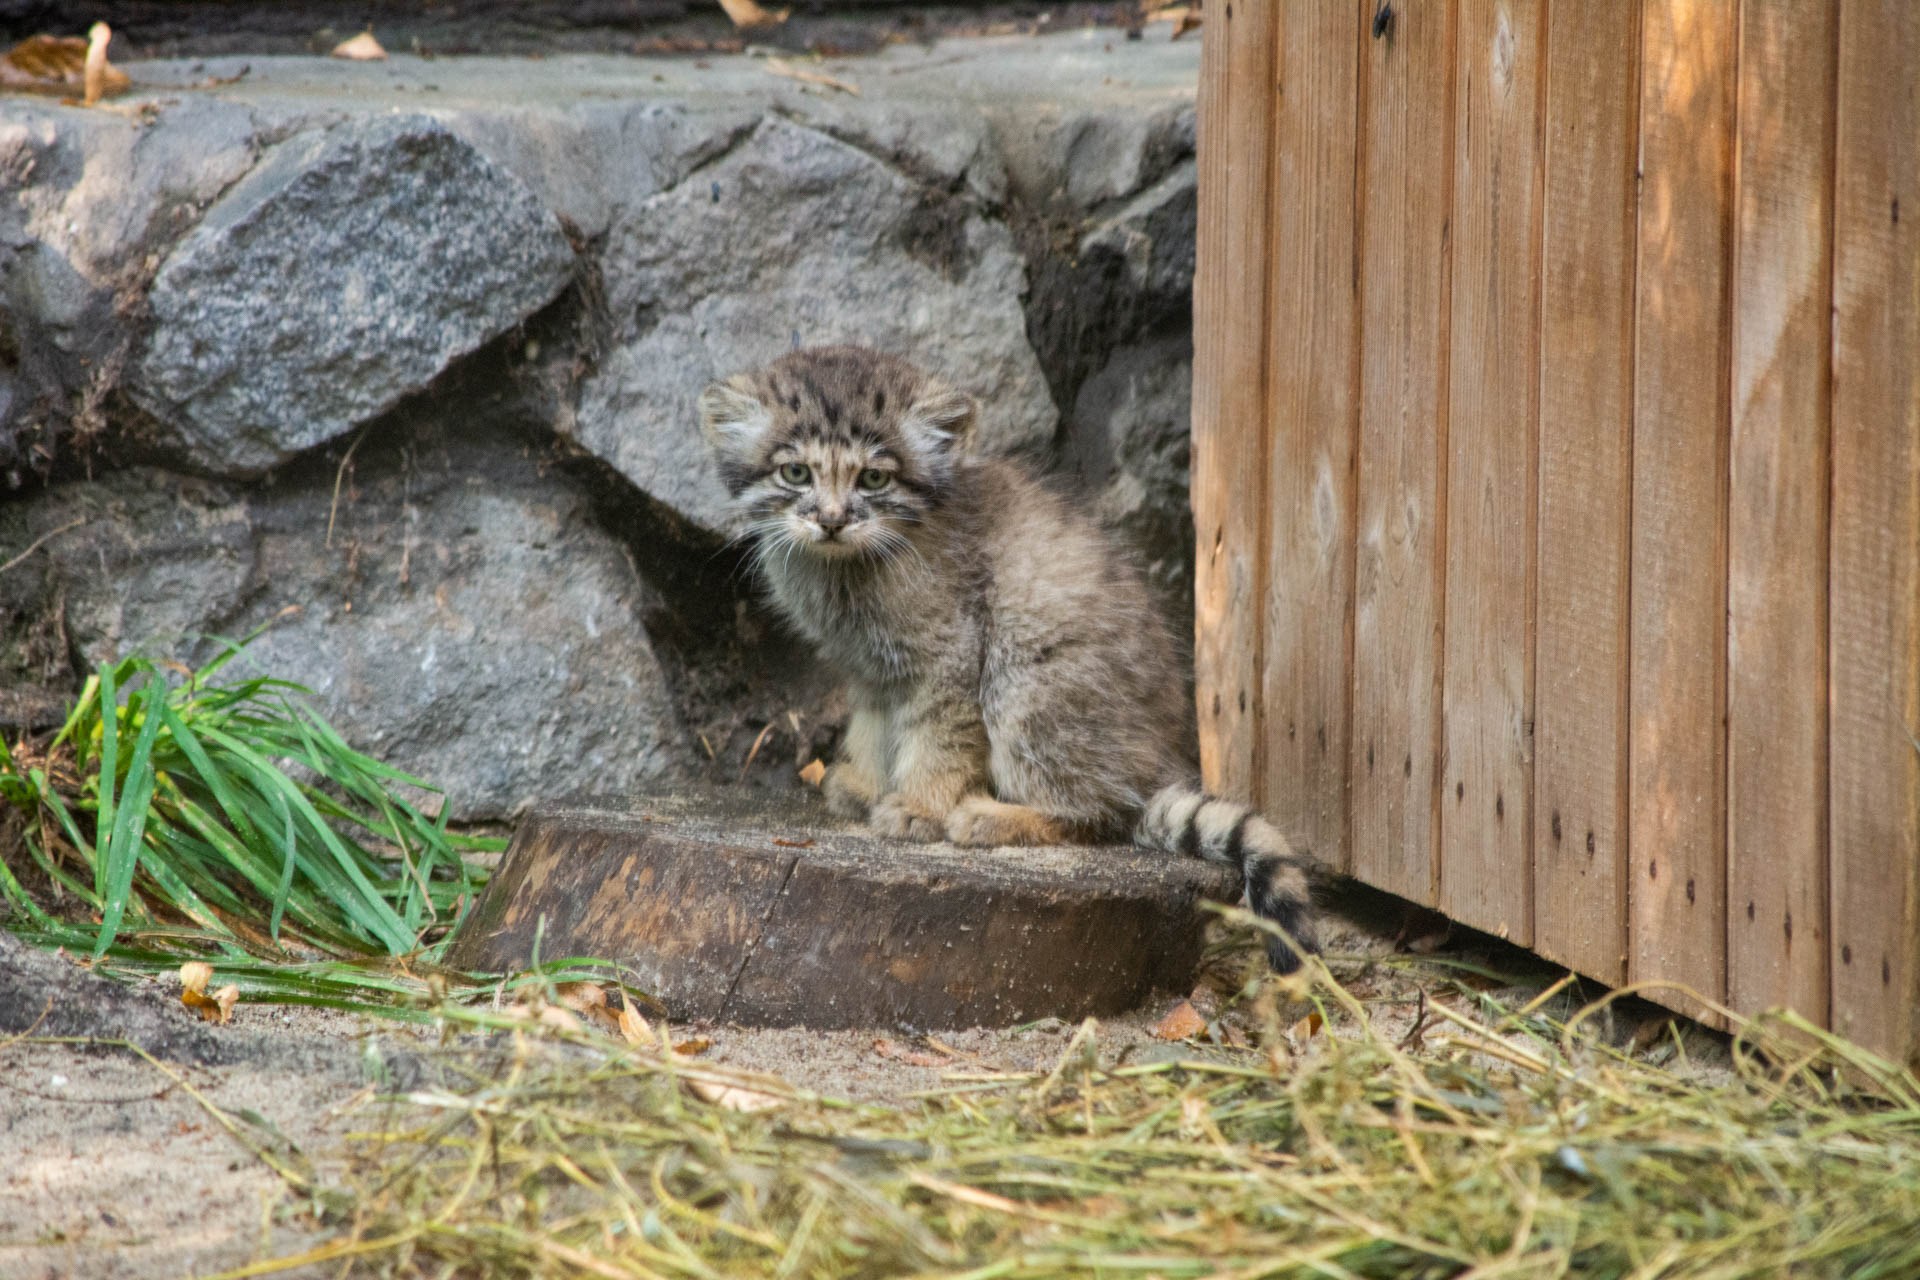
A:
x: 1677, y: 890
x: 1586, y: 451
x: 1400, y: 516
x: 758, y: 908
x: 1777, y: 513
x: 1229, y: 381
x: 1311, y: 407
x: 1875, y: 615
x: 1486, y: 876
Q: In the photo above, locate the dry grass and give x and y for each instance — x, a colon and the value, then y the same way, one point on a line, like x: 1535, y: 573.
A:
x: 1499, y: 1139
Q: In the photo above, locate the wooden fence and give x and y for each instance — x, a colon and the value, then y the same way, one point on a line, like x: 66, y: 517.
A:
x: 1557, y: 474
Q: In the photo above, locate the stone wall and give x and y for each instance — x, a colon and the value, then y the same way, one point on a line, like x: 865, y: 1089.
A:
x: 401, y: 358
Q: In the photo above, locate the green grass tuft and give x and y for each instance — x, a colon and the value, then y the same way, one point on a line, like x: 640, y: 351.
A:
x: 182, y: 814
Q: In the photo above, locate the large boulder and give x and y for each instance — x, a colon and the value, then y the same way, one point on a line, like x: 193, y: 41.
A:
x: 347, y: 269
x: 455, y: 610
x: 797, y: 238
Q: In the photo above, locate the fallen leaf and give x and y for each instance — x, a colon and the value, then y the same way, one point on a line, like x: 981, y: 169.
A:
x: 361, y: 48
x: 63, y: 64
x: 1307, y: 1027
x: 1182, y: 1022
x: 634, y: 1028
x: 733, y: 1097
x: 693, y: 1047
x: 781, y: 67
x: 814, y: 772
x: 94, y: 74
x: 582, y: 996
x: 561, y: 1019
x: 218, y: 1007
x: 912, y: 1057
x: 793, y: 844
x: 195, y: 975
x: 745, y: 13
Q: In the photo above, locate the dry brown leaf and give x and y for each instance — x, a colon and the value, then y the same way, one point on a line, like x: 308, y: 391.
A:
x: 781, y: 67
x: 218, y: 1007
x: 582, y: 997
x: 745, y: 13
x: 694, y: 1047
x: 1182, y: 1022
x: 733, y: 1097
x: 793, y: 844
x: 64, y: 64
x: 814, y: 772
x: 912, y: 1057
x: 361, y: 48
x: 561, y: 1019
x: 93, y: 75
x: 1307, y: 1028
x: 634, y: 1028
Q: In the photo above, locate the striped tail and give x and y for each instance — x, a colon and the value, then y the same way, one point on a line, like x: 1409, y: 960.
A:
x: 1182, y: 820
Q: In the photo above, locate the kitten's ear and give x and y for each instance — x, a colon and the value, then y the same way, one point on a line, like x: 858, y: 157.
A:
x: 731, y: 417
x: 941, y: 419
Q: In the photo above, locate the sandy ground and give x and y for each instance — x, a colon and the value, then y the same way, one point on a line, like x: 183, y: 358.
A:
x: 110, y: 1166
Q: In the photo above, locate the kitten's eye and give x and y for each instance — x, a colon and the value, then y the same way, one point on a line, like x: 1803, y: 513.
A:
x: 873, y: 479
x: 795, y: 473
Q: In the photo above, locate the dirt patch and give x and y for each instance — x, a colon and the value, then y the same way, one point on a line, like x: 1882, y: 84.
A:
x: 114, y: 1168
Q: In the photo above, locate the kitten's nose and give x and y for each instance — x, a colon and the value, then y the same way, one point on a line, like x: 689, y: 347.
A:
x: 830, y: 522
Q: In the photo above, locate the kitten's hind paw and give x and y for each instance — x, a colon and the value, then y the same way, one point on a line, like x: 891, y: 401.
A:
x: 895, y: 815
x: 982, y: 820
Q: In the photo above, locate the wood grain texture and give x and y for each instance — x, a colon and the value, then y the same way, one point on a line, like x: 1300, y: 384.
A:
x: 1311, y: 410
x: 1586, y: 452
x: 1777, y: 513
x: 1399, y: 555
x: 1485, y: 865
x: 1229, y: 381
x: 1677, y: 890
x: 1875, y: 615
x: 758, y: 908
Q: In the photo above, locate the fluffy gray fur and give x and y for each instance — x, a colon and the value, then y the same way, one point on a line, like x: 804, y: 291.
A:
x: 1009, y: 678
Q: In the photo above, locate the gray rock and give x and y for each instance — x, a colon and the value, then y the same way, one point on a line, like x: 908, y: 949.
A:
x: 468, y: 622
x: 1153, y: 234
x: 796, y: 238
x: 88, y: 200
x: 1129, y: 447
x: 345, y: 271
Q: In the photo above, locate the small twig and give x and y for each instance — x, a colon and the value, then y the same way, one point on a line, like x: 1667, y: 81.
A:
x: 42, y: 541
x: 781, y: 67
x: 339, y: 474
x: 754, y: 750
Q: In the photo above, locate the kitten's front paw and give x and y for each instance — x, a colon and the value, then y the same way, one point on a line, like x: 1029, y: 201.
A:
x: 849, y: 793
x: 895, y: 815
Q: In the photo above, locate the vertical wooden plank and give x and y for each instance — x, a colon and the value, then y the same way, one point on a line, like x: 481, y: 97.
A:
x: 1586, y: 450
x: 1406, y: 256
x: 1876, y: 530
x: 1235, y: 123
x: 1311, y: 408
x: 1485, y: 870
x: 1777, y: 512
x: 1677, y: 893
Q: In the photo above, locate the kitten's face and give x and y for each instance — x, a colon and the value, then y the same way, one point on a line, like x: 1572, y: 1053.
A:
x: 835, y: 452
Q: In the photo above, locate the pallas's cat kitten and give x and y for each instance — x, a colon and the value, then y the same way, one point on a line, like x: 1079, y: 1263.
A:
x: 1009, y: 679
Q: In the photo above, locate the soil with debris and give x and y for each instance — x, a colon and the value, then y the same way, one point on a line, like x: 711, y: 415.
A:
x: 208, y: 28
x: 114, y: 1165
